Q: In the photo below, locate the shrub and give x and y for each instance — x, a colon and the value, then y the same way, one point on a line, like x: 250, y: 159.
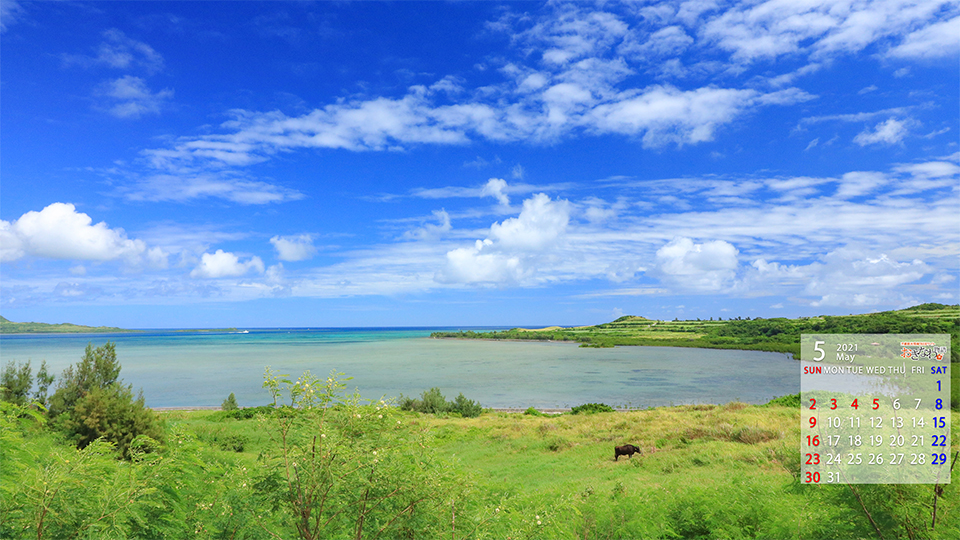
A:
x: 532, y: 412
x: 466, y: 407
x: 353, y: 470
x: 242, y: 414
x: 790, y: 400
x: 113, y: 414
x: 230, y: 404
x: 433, y: 402
x: 90, y: 403
x: 591, y: 408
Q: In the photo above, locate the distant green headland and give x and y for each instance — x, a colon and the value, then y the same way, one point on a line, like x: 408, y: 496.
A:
x: 773, y: 335
x: 10, y: 327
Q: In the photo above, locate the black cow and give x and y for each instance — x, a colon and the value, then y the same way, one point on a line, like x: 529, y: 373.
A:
x: 626, y: 450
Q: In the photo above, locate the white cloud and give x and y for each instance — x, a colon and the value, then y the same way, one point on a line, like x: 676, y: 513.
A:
x: 859, y: 183
x: 940, y: 39
x: 225, y: 264
x: 471, y: 265
x: 889, y: 132
x: 709, y: 266
x: 131, y: 98
x: 120, y: 52
x: 514, y: 247
x: 539, y: 224
x: 764, y: 30
x: 294, y: 248
x: 10, y: 11
x: 430, y: 231
x: 60, y: 232
x: 224, y: 185
x: 496, y: 188
x: 850, y: 277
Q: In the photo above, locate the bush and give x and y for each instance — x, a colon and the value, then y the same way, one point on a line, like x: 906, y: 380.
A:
x: 230, y: 404
x: 790, y: 400
x: 113, y: 414
x: 591, y: 408
x: 532, y: 412
x: 90, y: 403
x: 466, y: 407
x: 433, y: 402
x: 242, y: 414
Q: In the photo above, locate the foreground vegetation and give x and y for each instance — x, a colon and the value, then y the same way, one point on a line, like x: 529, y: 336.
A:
x: 351, y: 470
x: 10, y: 327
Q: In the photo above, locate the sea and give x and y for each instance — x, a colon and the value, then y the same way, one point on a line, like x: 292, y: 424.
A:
x: 201, y: 368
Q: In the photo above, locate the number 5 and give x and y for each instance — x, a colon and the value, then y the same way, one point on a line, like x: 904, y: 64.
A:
x: 816, y: 347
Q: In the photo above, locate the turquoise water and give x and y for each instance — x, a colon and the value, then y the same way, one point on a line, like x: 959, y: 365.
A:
x: 198, y: 369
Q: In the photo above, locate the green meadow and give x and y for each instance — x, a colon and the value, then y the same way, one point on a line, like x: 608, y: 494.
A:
x: 727, y: 471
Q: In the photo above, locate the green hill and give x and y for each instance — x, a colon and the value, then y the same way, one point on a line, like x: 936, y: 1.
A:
x: 10, y: 327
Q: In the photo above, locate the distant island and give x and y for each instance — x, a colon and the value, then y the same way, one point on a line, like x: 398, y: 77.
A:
x: 10, y: 327
x: 773, y: 335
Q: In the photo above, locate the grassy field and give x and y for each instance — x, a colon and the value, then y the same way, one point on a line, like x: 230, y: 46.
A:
x: 727, y: 471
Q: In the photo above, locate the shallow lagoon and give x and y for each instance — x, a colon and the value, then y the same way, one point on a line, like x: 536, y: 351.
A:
x: 201, y: 369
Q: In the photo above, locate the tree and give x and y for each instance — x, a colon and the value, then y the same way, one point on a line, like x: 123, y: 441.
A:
x: 15, y: 382
x: 98, y: 368
x: 90, y: 403
x: 113, y: 414
x: 44, y: 380
x: 230, y: 404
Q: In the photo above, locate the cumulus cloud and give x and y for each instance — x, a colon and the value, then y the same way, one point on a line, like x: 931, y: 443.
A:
x: 473, y: 265
x: 709, y: 266
x: 509, y: 254
x: 847, y: 276
x: 539, y: 224
x: 496, y: 188
x: 60, y: 232
x: 225, y: 264
x: 889, y: 132
x: 294, y: 248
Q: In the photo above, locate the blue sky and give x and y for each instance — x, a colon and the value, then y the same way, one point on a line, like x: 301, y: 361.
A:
x: 205, y: 164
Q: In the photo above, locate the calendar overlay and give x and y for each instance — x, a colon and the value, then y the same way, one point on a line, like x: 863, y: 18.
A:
x: 875, y: 408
